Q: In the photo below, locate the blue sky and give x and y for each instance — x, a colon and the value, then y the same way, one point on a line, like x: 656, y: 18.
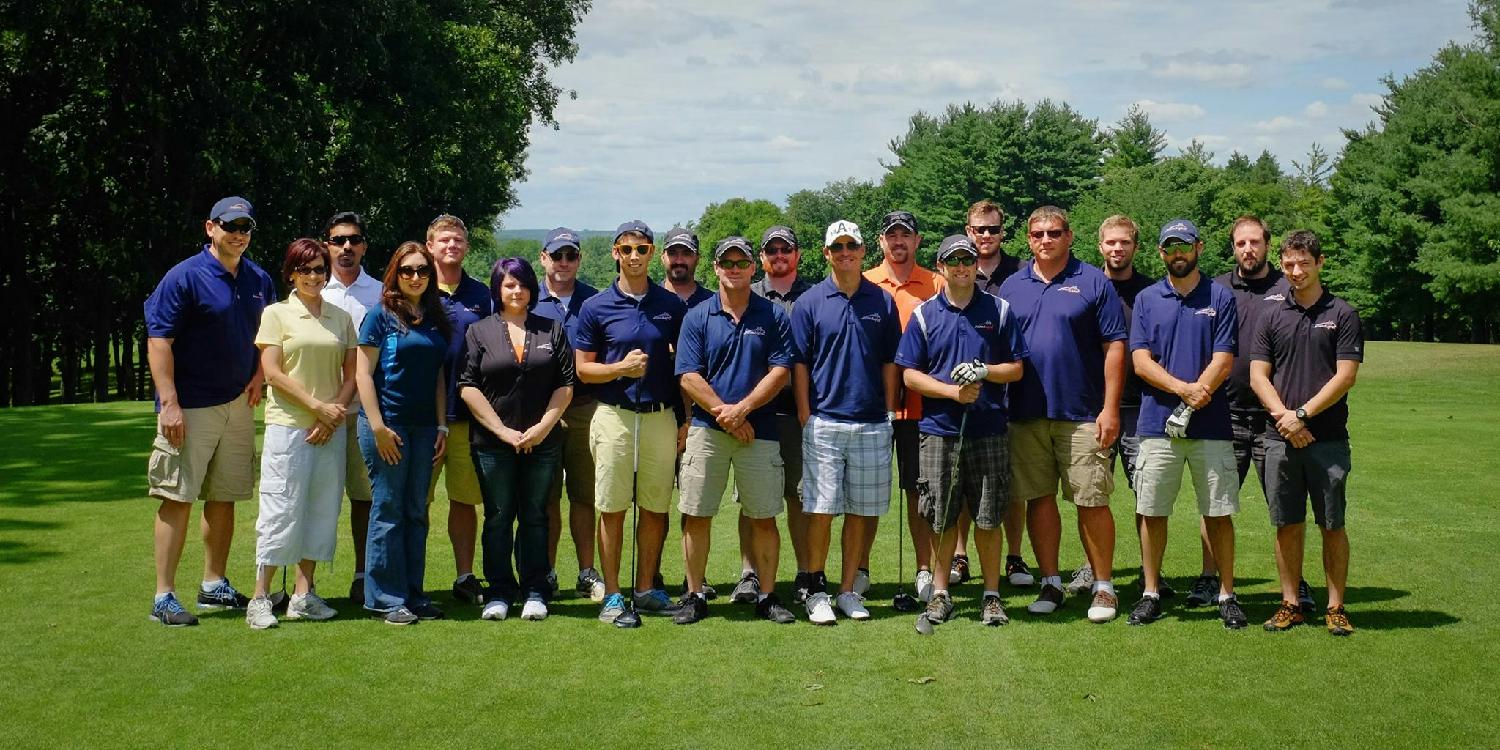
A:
x: 681, y: 104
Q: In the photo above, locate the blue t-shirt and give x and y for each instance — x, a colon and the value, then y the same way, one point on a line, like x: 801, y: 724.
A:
x: 1066, y: 323
x: 551, y: 306
x: 611, y: 323
x: 469, y: 304
x: 1183, y: 334
x: 699, y: 296
x: 734, y: 357
x: 212, y: 316
x: 406, y: 367
x: 844, y: 342
x: 939, y: 336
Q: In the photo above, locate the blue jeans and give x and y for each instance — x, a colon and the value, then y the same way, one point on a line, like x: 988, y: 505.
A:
x: 396, y: 548
x: 514, y: 486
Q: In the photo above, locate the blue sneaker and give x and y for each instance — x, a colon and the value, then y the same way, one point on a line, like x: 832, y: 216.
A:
x: 222, y: 596
x: 614, y: 606
x: 168, y: 611
x: 654, y: 602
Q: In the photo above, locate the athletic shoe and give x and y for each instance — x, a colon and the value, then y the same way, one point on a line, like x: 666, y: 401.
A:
x: 1018, y: 574
x: 258, y: 613
x: 1287, y: 616
x: 653, y: 602
x: 924, y: 585
x: 467, y: 589
x: 992, y: 613
x: 1338, y: 621
x: 707, y: 591
x: 801, y: 586
x: 691, y: 609
x: 940, y: 609
x: 658, y: 583
x: 770, y: 608
x: 1305, y: 598
x: 1230, y: 612
x: 168, y: 611
x: 590, y: 585
x: 1102, y: 609
x: 221, y: 596
x: 959, y: 573
x: 614, y: 606
x: 1047, y: 602
x: 819, y: 611
x: 535, y: 608
x: 495, y: 609
x: 427, y: 611
x: 1204, y: 592
x: 1164, y: 588
x: 1082, y: 582
x: 552, y: 582
x: 747, y: 591
x: 853, y: 606
x: 400, y: 616
x: 1147, y: 611
x: 309, y: 606
x: 357, y: 589
x: 862, y: 581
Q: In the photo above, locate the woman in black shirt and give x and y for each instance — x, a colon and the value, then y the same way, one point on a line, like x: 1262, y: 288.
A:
x: 517, y: 379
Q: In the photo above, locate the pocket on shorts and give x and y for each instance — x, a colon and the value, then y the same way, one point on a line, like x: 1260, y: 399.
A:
x: 273, y: 474
x: 164, y: 468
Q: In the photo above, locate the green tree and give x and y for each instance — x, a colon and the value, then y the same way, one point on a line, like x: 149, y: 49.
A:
x: 1133, y: 142
x: 736, y: 216
x: 809, y: 212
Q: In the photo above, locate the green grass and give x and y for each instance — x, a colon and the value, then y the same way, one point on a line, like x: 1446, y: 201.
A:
x: 85, y: 668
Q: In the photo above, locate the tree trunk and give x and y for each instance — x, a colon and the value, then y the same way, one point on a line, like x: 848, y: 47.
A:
x: 104, y: 315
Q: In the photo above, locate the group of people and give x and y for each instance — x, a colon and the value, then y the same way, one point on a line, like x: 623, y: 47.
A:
x: 997, y: 382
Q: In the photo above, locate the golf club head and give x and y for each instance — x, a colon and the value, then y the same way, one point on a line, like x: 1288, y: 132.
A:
x: 279, y: 600
x: 905, y: 602
x: 628, y: 619
x: 924, y: 625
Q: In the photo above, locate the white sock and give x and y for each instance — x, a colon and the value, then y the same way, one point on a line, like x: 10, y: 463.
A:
x: 209, y: 585
x: 1151, y: 595
x: 995, y: 594
x: 1222, y: 597
x: 161, y: 596
x: 1052, y: 581
x: 761, y: 596
x: 1104, y: 586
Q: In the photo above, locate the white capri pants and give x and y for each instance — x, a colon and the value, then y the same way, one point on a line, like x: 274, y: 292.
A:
x: 301, y: 491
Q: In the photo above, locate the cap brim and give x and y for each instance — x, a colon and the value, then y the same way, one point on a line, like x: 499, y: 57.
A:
x: 910, y: 227
x: 1191, y: 240
x: 234, y: 215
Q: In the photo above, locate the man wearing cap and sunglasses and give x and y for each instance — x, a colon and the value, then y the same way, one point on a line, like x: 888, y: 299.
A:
x: 679, y: 253
x: 201, y: 322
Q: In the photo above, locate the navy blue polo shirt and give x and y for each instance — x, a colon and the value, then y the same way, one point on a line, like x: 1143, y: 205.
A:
x: 1183, y: 334
x: 735, y: 357
x: 1304, y: 346
x: 469, y: 303
x: 844, y: 342
x: 406, y: 367
x: 611, y: 323
x: 700, y: 295
x: 212, y: 316
x: 939, y: 336
x: 551, y: 306
x: 1066, y: 323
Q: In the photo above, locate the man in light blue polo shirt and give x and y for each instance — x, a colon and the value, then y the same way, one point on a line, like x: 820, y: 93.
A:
x: 845, y: 331
x: 1182, y: 343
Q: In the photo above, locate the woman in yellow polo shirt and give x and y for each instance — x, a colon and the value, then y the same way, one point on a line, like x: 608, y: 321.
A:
x: 307, y: 352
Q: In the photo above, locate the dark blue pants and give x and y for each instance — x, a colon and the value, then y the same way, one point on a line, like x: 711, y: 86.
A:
x: 514, y: 487
x: 396, y: 547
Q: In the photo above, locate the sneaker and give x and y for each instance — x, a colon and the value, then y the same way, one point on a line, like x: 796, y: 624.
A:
x: 400, y: 616
x: 992, y: 613
x: 853, y: 606
x: 552, y: 582
x: 940, y: 609
x: 1338, y: 621
x: 309, y: 606
x: 427, y: 612
x: 222, y: 596
x: 1287, y: 616
x: 653, y: 602
x: 258, y: 613
x: 707, y: 591
x: 862, y: 581
x: 1082, y: 582
x: 747, y: 591
x: 1204, y: 592
x: 168, y: 611
x: 535, y: 608
x: 1018, y: 574
x: 819, y: 611
x: 467, y: 589
x: 959, y: 573
x: 614, y: 606
x: 924, y: 585
x: 590, y: 585
x: 357, y: 589
x: 1047, y: 602
x: 1102, y: 609
x: 658, y: 583
x: 1305, y: 598
x: 495, y: 609
x: 691, y: 609
x: 1147, y: 611
x: 770, y: 608
x: 1230, y: 612
x: 801, y: 586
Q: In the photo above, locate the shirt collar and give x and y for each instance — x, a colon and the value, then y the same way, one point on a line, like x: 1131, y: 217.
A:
x: 1072, y: 267
x: 295, y: 302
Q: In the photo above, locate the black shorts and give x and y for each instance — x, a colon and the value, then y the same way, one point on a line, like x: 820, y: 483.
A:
x: 1294, y: 476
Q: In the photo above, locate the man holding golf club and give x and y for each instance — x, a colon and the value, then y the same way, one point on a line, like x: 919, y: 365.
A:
x: 958, y: 350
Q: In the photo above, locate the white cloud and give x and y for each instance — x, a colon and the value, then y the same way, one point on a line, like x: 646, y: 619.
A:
x: 783, y: 142
x: 1316, y: 110
x: 1218, y: 69
x: 1171, y: 111
x: 1334, y: 83
x: 1278, y: 124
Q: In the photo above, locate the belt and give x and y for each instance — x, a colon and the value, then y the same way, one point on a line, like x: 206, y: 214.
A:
x: 643, y: 408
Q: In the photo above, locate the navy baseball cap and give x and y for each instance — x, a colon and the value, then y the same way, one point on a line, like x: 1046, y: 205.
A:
x: 779, y: 232
x: 637, y: 226
x: 898, y: 219
x: 954, y: 244
x: 1178, y: 229
x: 734, y: 243
x: 683, y: 237
x: 231, y: 208
x: 560, y: 238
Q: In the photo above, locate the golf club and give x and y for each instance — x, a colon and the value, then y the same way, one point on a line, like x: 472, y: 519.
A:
x: 903, y: 602
x: 630, y: 618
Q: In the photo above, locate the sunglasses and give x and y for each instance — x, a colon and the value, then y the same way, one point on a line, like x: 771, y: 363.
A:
x: 1037, y: 234
x: 1177, y: 248
x: 310, y: 270
x: 347, y: 239
x: 778, y: 250
x: 994, y: 229
x: 570, y: 256
x: 634, y: 249
x: 842, y: 246
x: 414, y: 272
x: 240, y: 226
x: 740, y: 264
x: 960, y: 260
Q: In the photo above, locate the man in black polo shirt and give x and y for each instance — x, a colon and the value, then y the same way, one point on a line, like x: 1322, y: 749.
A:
x: 1304, y: 360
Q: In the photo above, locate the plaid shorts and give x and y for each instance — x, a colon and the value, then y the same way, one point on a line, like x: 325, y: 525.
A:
x: 983, y: 480
x: 846, y: 467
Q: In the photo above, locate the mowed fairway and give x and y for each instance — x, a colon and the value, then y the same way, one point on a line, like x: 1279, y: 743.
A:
x: 84, y: 667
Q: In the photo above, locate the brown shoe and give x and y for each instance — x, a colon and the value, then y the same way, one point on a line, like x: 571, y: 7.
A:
x: 1288, y: 616
x: 1338, y: 621
x: 1102, y: 608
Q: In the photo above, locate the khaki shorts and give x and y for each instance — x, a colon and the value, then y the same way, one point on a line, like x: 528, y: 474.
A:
x: 612, y: 443
x: 577, y: 465
x: 216, y: 460
x: 356, y: 475
x: 705, y: 474
x: 457, y: 469
x: 1044, y: 452
x: 1158, y: 476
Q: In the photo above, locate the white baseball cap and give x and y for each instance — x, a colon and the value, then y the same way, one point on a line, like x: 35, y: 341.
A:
x: 842, y: 228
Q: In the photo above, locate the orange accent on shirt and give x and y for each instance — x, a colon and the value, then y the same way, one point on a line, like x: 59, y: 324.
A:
x: 920, y: 286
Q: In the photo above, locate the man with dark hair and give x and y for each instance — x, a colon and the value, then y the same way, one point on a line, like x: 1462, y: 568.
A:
x: 679, y: 254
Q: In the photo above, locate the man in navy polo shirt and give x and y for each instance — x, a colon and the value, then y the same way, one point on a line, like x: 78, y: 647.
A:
x: 959, y: 348
x: 624, y: 347
x: 845, y: 331
x: 680, y: 256
x: 1182, y: 343
x: 201, y: 322
x: 733, y: 357
x: 1065, y: 409
x: 1304, y: 361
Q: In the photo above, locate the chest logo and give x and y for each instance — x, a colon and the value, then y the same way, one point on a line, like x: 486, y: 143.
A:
x: 756, y: 331
x: 662, y: 316
x: 1070, y: 289
x: 1327, y: 325
x: 987, y: 325
x: 872, y: 317
x: 546, y: 347
x: 1275, y: 298
x: 1209, y: 311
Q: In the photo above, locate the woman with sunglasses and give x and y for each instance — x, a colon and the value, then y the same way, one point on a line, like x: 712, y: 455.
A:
x: 307, y: 353
x: 402, y: 431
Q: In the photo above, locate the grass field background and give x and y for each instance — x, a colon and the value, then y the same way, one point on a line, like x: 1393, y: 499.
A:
x: 84, y: 667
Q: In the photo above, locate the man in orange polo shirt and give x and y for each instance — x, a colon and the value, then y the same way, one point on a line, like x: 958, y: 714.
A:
x: 910, y: 285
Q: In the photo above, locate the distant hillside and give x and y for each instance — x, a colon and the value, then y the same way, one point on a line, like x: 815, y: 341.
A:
x: 541, y: 234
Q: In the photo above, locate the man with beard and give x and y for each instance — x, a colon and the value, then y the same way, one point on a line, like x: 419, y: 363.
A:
x: 1182, y: 344
x: 680, y: 256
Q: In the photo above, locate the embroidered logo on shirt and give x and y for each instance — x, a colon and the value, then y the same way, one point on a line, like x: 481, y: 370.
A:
x: 1275, y: 298
x: 547, y: 347
x: 1328, y: 325
x: 756, y: 331
x: 987, y: 325
x: 874, y: 317
x: 1209, y: 311
x: 662, y: 316
x: 1070, y: 289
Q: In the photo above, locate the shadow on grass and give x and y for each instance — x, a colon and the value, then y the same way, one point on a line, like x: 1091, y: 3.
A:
x: 74, y: 453
x: 18, y: 552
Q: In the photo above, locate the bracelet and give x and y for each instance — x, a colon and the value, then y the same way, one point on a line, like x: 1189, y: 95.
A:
x: 443, y: 429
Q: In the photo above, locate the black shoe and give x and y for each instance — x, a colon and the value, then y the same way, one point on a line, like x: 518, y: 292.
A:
x: 357, y: 589
x: 801, y: 586
x: 223, y: 596
x: 169, y: 612
x: 1305, y: 598
x: 1230, y: 612
x: 1147, y: 610
x: 959, y: 573
x: 770, y: 608
x: 468, y: 590
x: 1164, y: 589
x: 1205, y: 590
x: 747, y: 591
x: 692, y: 608
x: 426, y: 612
x: 708, y: 591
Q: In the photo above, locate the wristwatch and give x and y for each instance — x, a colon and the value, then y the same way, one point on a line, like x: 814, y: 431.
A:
x: 1301, y: 414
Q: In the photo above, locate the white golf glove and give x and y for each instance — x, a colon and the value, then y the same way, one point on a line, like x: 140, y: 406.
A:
x: 1177, y: 423
x: 965, y: 373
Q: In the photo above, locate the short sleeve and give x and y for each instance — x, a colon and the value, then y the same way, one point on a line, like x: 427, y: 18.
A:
x: 372, y: 331
x: 890, y: 333
x: 1140, y: 331
x: 166, y: 305
x: 912, y: 351
x: 588, y: 338
x: 1351, y: 338
x: 468, y: 368
x: 271, y: 332
x: 781, y: 345
x: 690, y: 354
x: 1226, y: 325
x: 1264, y: 342
x: 801, y: 326
x: 562, y: 354
x: 1109, y: 313
x: 1010, y: 333
x: 349, y: 336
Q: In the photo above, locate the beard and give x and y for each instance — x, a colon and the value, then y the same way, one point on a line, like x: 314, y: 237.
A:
x: 680, y: 274
x: 1182, y: 269
x: 1250, y: 268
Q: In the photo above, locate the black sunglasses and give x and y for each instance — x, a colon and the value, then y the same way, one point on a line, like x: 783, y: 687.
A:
x: 414, y: 272
x: 238, y: 226
x: 570, y: 256
x: 310, y: 270
x: 987, y: 229
x: 778, y: 250
x: 1037, y: 234
x: 741, y: 263
x: 841, y: 246
x: 347, y: 239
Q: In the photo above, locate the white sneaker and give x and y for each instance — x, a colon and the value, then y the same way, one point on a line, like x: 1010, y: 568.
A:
x: 535, y: 609
x: 853, y: 606
x: 861, y: 581
x: 924, y: 585
x: 309, y: 606
x: 258, y: 614
x: 495, y: 609
x: 819, y: 611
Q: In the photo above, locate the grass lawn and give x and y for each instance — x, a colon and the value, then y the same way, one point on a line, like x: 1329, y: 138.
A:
x: 84, y: 667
